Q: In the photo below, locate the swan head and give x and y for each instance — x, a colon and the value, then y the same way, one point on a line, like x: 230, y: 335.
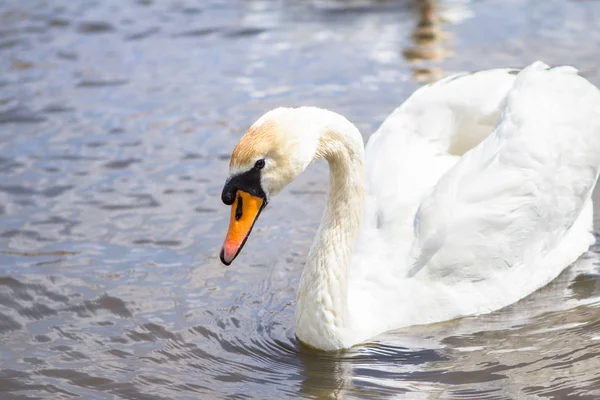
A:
x: 272, y: 153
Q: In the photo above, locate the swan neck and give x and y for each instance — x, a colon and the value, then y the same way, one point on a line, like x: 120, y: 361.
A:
x: 322, y: 316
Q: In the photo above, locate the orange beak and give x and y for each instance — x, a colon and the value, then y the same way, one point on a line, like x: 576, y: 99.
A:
x: 244, y: 211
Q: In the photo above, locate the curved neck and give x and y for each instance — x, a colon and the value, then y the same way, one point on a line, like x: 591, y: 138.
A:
x: 322, y: 318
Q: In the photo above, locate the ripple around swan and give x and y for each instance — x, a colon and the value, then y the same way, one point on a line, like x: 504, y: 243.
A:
x: 142, y: 347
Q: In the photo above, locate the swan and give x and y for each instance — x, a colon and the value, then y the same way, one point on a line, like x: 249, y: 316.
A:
x: 473, y: 193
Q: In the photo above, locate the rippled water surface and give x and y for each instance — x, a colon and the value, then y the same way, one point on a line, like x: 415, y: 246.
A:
x: 117, y: 119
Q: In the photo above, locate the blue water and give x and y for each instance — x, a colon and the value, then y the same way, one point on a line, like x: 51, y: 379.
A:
x: 117, y: 119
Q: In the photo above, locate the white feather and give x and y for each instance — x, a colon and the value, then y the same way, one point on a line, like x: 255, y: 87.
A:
x: 467, y: 234
x: 475, y: 192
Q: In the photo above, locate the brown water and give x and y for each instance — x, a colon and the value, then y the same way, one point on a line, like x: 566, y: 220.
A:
x: 117, y: 119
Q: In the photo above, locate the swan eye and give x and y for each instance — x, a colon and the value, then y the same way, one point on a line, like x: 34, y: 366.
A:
x: 260, y: 164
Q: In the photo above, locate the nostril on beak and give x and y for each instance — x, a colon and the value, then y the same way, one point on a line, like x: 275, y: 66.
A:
x: 228, y: 196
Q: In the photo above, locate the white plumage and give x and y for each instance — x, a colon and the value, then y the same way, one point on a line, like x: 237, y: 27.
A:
x: 477, y: 193
x: 491, y: 225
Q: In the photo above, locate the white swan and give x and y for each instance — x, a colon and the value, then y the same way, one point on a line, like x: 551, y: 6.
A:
x: 475, y: 192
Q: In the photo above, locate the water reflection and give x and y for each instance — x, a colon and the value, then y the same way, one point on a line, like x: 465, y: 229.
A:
x: 118, y: 119
x: 429, y: 43
x: 432, y: 40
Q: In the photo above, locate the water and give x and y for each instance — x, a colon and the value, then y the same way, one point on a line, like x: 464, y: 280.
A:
x: 117, y: 119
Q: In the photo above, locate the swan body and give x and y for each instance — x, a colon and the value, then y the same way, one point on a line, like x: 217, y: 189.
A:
x: 474, y: 193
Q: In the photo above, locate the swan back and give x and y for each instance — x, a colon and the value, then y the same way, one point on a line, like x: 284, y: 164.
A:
x: 514, y: 196
x: 515, y: 210
x: 418, y: 143
x: 459, y: 234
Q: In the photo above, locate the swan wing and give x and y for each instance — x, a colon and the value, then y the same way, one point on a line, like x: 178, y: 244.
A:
x: 414, y: 147
x: 512, y: 200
